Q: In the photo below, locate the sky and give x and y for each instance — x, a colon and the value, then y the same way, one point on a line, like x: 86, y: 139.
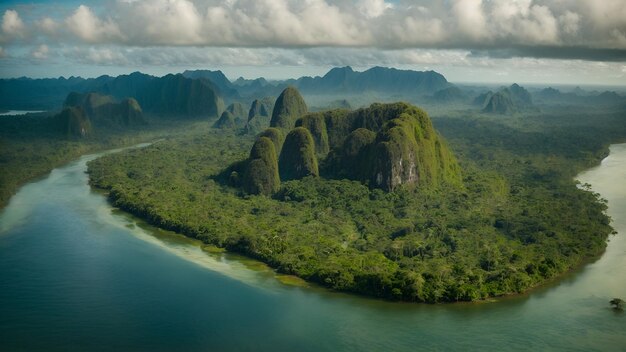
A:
x: 493, y: 41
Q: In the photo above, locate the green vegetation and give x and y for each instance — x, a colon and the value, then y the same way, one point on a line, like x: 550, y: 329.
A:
x: 519, y: 220
x: 32, y: 145
x: 261, y: 175
x: 403, y: 150
x: 297, y: 157
x: 227, y: 121
x: 289, y: 107
x: 104, y: 111
x: 276, y: 136
x: 238, y: 111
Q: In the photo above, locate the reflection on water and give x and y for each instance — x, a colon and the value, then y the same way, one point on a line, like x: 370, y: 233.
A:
x: 79, y: 275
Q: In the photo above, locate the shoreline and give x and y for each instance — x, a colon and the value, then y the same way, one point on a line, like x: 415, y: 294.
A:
x: 159, y: 223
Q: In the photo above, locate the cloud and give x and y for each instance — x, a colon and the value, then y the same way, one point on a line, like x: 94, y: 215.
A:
x: 12, y: 25
x: 470, y: 18
x: 89, y: 28
x: 41, y: 52
x: 47, y: 26
x: 373, y: 8
x: 3, y: 53
x: 585, y: 29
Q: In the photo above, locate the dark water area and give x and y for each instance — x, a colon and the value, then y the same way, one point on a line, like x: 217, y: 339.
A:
x: 75, y: 274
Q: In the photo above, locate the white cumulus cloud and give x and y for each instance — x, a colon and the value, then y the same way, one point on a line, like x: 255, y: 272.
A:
x: 41, y: 52
x: 12, y: 25
x: 88, y: 27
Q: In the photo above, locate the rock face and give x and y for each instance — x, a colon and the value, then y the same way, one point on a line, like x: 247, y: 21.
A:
x: 317, y: 127
x: 104, y: 110
x: 385, y: 146
x: 227, y: 121
x: 261, y: 176
x: 72, y: 122
x: 297, y: 158
x: 171, y: 95
x: 500, y: 103
x: 238, y: 111
x: 508, y: 100
x: 258, y: 108
x: 289, y: 107
x: 389, y: 145
x: 259, y: 115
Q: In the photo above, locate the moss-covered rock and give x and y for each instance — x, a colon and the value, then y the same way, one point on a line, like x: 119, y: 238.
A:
x: 385, y: 145
x: 316, y: 125
x: 226, y: 121
x: 276, y: 136
x: 103, y: 110
x: 238, y: 111
x: 258, y: 108
x: 261, y: 176
x: 297, y: 158
x: 500, y: 103
x: 408, y: 151
x: 257, y: 124
x: 72, y: 122
x: 289, y: 107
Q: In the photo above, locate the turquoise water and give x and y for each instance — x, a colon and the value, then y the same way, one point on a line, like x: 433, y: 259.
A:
x: 77, y: 275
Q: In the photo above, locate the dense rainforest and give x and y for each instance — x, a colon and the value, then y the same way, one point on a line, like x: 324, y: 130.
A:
x: 519, y: 220
x: 381, y: 201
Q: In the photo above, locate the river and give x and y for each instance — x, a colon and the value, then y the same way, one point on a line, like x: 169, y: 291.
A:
x: 76, y: 274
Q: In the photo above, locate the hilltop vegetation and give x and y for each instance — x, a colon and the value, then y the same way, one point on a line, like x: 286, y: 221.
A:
x: 403, y: 150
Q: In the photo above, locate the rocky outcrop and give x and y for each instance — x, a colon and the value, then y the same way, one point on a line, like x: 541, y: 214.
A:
x: 316, y: 125
x: 386, y: 146
x: 297, y: 158
x: 227, y: 121
x: 72, y: 122
x: 104, y: 110
x: 289, y: 107
x: 261, y: 175
x: 276, y: 136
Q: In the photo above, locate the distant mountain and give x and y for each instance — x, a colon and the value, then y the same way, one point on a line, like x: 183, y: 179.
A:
x: 226, y: 88
x: 173, y: 95
x: 579, y: 97
x: 168, y: 95
x: 501, y: 102
x: 448, y: 94
x: 512, y: 99
x: 377, y: 79
x: 104, y: 110
x: 43, y: 94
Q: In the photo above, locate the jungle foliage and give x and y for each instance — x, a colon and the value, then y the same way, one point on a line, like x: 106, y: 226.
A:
x: 519, y: 220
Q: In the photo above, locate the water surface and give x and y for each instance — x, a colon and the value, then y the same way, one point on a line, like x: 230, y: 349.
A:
x: 17, y: 112
x: 77, y: 275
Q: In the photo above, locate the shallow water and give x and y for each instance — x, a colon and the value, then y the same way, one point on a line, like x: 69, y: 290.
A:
x: 18, y: 112
x: 77, y: 274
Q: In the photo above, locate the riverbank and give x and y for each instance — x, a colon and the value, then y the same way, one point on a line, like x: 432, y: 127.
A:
x: 27, y: 158
x: 519, y: 224
x: 80, y: 275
